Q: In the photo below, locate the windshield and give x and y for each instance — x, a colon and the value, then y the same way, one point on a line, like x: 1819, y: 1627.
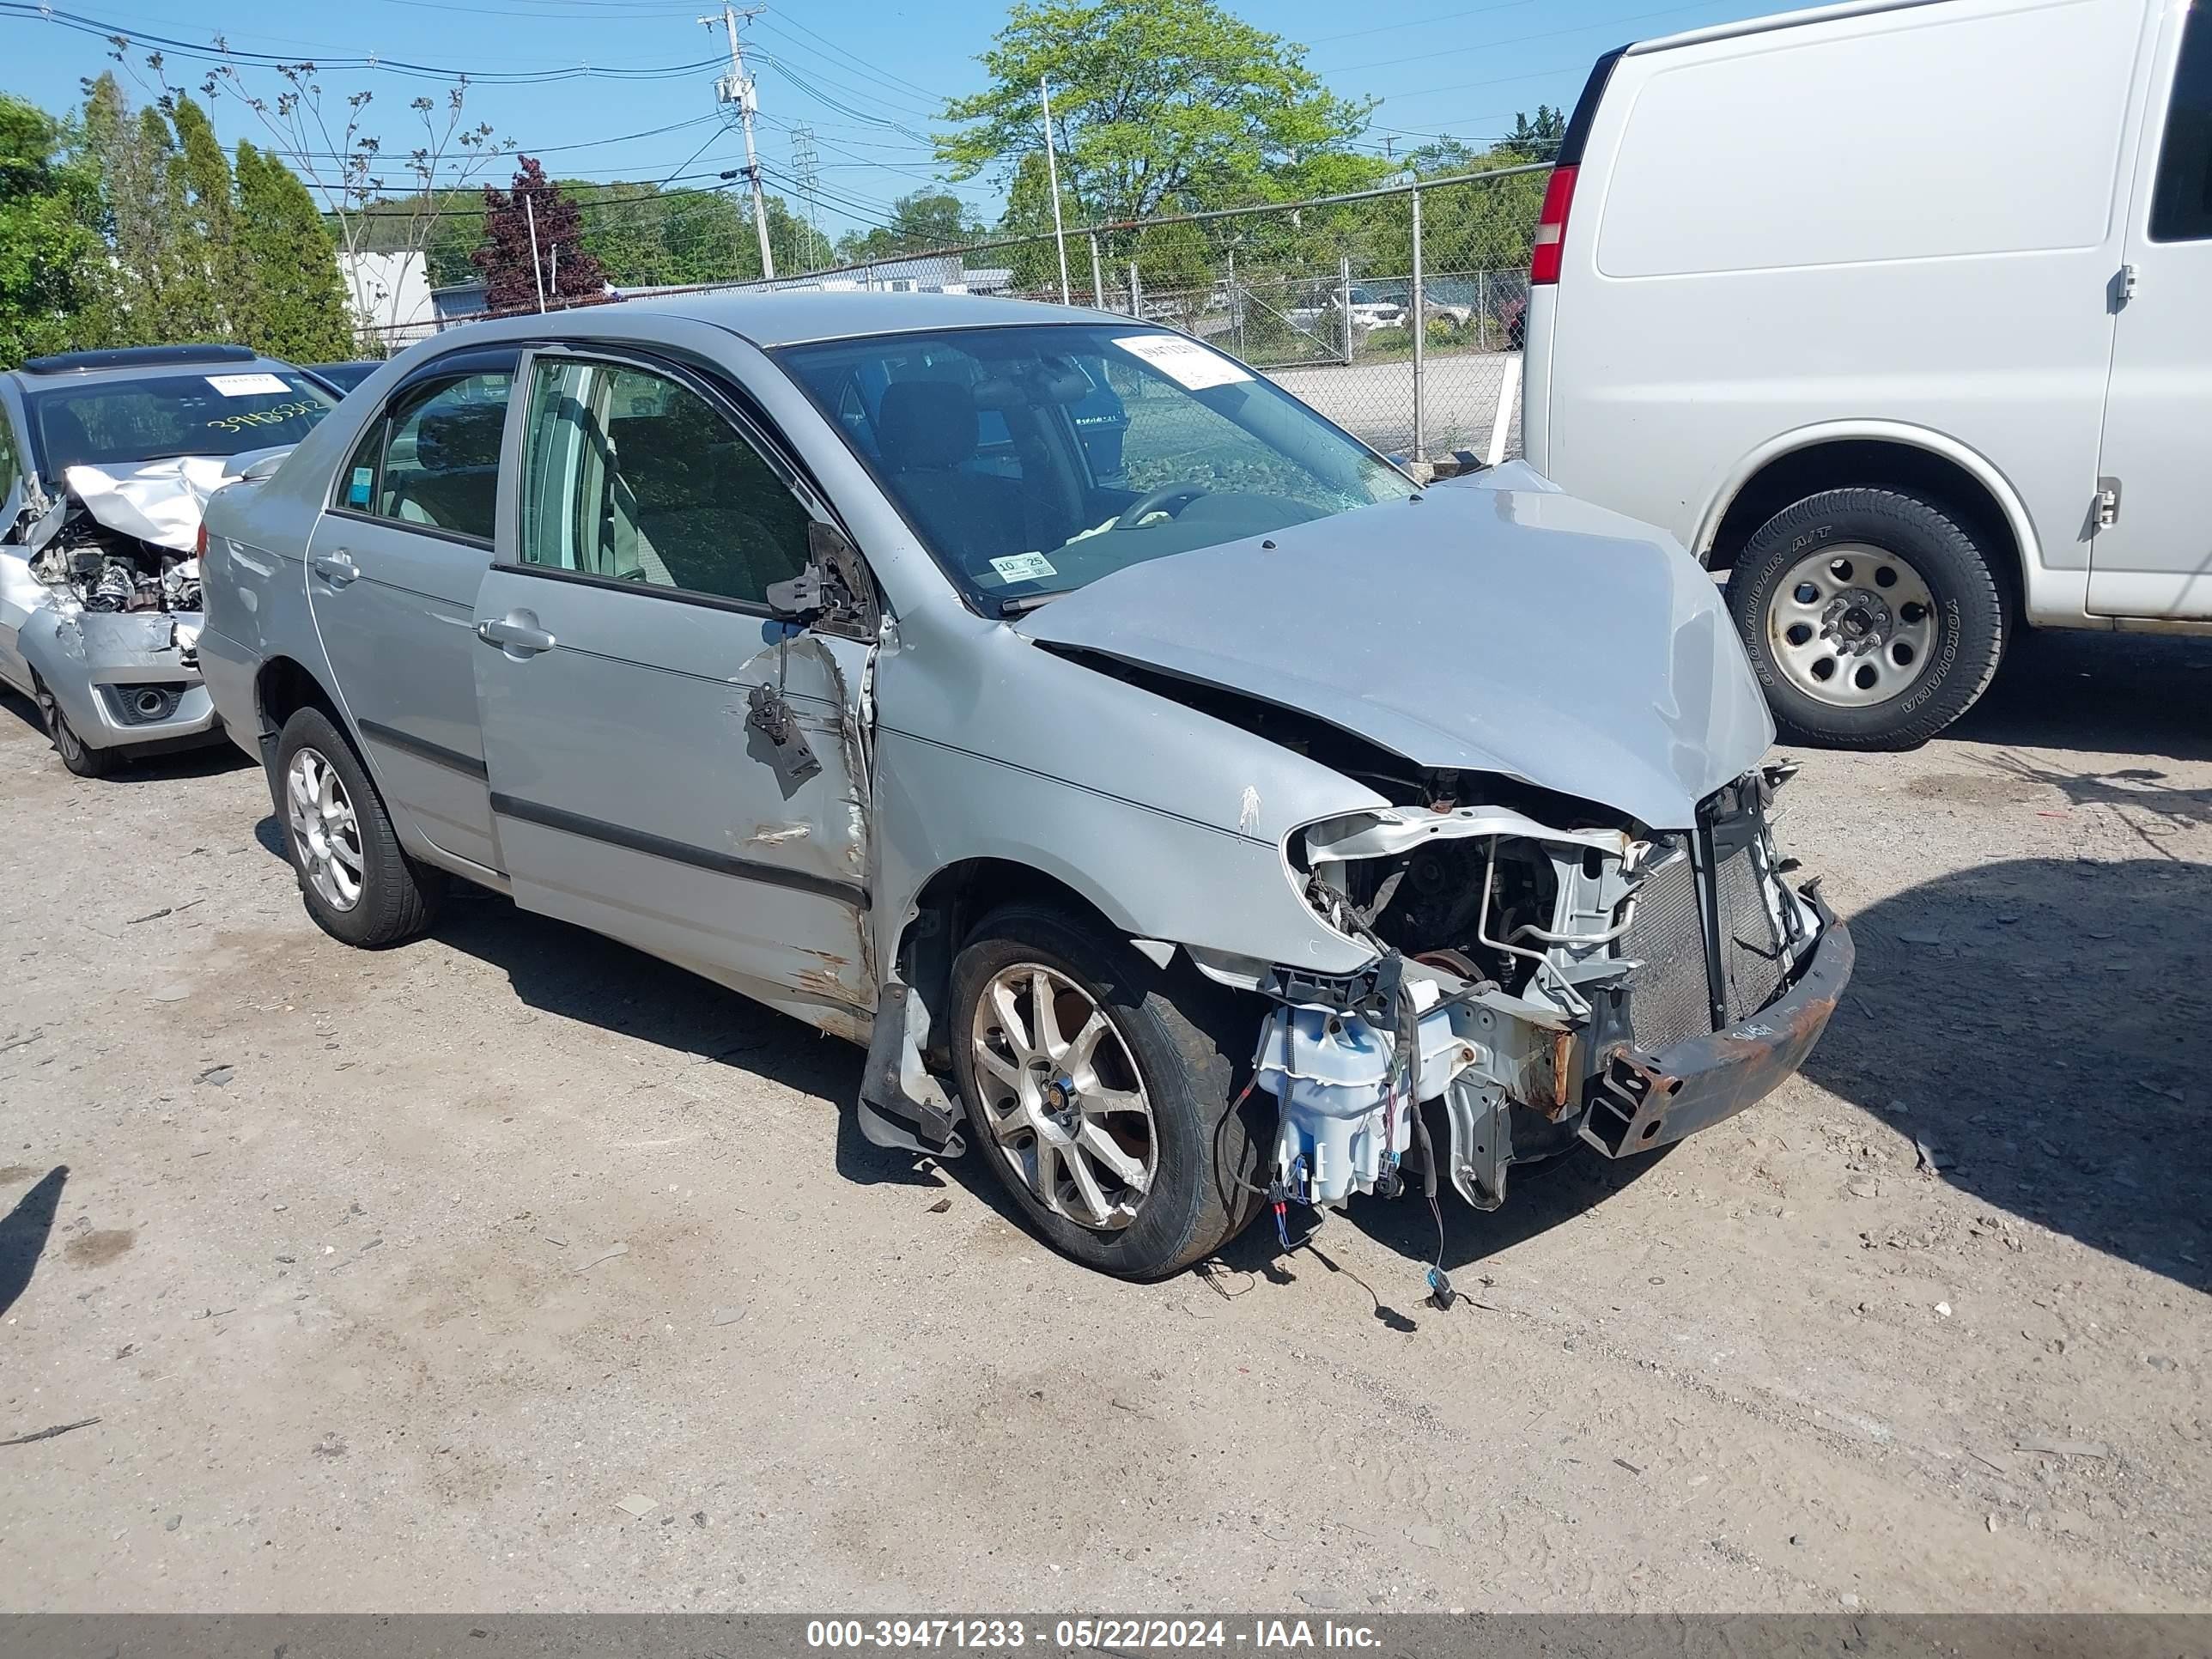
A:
x: 1033, y: 459
x: 106, y: 422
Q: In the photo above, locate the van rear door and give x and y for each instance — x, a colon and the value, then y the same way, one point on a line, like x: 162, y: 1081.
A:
x: 2152, y: 551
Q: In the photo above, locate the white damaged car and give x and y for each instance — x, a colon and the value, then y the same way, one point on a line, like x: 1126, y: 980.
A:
x: 106, y: 459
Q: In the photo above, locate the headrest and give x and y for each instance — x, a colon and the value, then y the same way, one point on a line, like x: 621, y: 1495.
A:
x: 926, y: 423
x: 460, y: 438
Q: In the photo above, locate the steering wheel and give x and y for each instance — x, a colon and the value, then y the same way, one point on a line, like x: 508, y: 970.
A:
x: 1152, y: 501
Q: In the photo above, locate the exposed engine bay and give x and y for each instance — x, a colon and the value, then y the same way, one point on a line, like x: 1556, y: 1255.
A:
x: 106, y: 570
x: 1527, y: 974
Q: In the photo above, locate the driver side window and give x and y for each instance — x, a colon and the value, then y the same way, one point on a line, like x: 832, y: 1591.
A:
x: 630, y: 475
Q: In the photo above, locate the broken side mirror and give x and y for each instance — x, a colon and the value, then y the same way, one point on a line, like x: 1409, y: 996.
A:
x: 834, y: 592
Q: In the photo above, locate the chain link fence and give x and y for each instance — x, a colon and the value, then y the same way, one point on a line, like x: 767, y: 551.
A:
x: 1397, y: 312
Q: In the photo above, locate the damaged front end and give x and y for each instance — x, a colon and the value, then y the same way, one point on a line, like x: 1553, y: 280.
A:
x: 1572, y: 977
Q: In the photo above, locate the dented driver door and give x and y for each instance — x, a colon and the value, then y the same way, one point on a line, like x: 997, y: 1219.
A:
x: 632, y: 685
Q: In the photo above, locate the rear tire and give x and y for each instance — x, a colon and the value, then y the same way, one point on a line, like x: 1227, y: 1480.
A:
x: 1172, y: 1043
x: 80, y: 757
x: 1872, y: 618
x: 358, y: 883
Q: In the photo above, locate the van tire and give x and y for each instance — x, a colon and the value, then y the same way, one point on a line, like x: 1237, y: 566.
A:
x: 398, y: 897
x: 1970, y: 624
x: 1189, y: 1042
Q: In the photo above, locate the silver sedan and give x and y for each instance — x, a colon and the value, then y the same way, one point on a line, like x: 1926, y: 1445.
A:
x: 1173, y: 797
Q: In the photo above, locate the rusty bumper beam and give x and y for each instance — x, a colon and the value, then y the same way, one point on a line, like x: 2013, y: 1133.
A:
x: 1645, y: 1101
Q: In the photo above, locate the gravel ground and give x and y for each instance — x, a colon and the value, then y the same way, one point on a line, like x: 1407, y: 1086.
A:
x: 326, y: 1243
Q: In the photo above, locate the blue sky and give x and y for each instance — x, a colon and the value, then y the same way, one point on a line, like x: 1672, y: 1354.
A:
x: 866, y: 77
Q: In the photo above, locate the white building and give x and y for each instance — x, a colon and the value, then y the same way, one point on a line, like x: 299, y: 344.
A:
x: 389, y: 295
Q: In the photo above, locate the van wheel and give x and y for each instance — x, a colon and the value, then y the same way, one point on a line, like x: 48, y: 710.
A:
x: 1099, y: 1093
x: 80, y: 757
x: 1872, y: 619
x: 358, y: 885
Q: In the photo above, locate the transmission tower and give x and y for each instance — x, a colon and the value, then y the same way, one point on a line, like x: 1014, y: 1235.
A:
x: 807, y: 167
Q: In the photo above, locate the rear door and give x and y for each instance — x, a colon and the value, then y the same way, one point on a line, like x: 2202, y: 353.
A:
x: 622, y: 637
x: 2153, y: 557
x: 392, y: 573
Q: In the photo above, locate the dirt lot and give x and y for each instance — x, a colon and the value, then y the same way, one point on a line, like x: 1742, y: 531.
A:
x: 322, y: 1239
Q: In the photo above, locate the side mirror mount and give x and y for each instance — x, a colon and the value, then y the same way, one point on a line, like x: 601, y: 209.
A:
x: 833, y: 590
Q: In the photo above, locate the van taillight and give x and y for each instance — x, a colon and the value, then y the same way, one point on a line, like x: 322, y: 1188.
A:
x: 200, y: 541
x: 1552, y: 226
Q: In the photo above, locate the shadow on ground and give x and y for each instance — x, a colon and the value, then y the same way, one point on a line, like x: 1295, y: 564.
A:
x: 206, y: 761
x: 572, y: 972
x: 2042, y: 1023
x: 24, y: 1231
x: 2100, y: 693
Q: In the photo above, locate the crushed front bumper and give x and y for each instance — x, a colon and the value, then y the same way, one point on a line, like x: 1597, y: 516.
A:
x: 1643, y: 1101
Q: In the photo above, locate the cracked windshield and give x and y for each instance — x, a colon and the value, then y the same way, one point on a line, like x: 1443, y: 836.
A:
x: 1033, y: 461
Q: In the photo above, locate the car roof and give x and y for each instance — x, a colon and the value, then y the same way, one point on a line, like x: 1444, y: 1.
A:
x: 57, y: 379
x: 791, y: 317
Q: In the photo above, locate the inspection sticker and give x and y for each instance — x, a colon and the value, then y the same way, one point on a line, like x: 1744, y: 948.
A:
x: 1024, y: 568
x: 1184, y: 362
x: 246, y: 385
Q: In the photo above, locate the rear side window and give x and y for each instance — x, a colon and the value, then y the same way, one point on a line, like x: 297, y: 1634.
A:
x: 10, y: 469
x: 2181, y: 201
x: 433, y: 459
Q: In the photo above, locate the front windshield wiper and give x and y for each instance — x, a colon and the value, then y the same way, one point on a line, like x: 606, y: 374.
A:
x: 1027, y: 602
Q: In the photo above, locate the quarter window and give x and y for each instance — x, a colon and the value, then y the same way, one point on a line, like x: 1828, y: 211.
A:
x: 630, y: 475
x: 2181, y: 200
x: 10, y: 470
x: 434, y: 460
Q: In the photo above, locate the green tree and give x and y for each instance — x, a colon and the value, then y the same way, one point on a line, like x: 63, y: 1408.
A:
x: 202, y: 231
x: 1157, y: 106
x: 925, y: 219
x: 48, y: 243
x: 1538, y: 140
x: 292, y: 302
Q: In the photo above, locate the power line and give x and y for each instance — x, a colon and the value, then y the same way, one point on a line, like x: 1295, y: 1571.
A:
x: 196, y: 53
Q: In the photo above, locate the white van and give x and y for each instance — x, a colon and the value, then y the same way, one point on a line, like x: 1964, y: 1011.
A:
x: 1900, y: 311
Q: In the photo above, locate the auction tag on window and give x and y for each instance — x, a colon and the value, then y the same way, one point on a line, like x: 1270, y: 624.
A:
x: 1024, y: 568
x: 246, y: 385
x: 1184, y: 362
x: 357, y: 491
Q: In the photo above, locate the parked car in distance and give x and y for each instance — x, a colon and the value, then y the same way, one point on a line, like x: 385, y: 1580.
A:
x: 338, y: 379
x: 1914, y: 391
x: 1190, y: 826
x: 105, y: 459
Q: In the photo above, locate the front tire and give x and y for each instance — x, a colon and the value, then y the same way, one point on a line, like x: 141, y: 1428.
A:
x: 359, y: 886
x: 1872, y: 618
x: 1098, y: 1087
x: 80, y: 757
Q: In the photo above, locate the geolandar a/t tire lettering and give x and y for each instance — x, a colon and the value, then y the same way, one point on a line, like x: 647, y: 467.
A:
x: 357, y: 882
x: 1872, y: 618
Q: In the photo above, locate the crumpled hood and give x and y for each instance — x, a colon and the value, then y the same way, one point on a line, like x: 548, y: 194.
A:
x: 159, y: 501
x: 1499, y: 626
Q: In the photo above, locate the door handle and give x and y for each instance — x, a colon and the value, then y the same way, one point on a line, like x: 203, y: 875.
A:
x: 337, y: 569
x: 515, y: 637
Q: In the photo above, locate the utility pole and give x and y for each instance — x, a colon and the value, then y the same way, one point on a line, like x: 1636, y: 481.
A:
x: 1052, y: 179
x: 537, y: 270
x: 737, y: 88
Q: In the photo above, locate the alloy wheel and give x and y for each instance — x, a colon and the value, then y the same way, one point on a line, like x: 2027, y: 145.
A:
x: 325, y: 828
x: 1062, y: 1097
x: 1851, y: 625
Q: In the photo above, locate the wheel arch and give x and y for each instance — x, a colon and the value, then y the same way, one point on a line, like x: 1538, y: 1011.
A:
x: 1877, y: 455
x: 282, y: 686
x: 946, y: 906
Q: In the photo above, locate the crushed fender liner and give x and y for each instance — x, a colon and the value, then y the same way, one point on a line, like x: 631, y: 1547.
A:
x: 900, y: 1105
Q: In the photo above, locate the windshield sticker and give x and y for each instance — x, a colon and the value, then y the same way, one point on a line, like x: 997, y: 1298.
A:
x: 246, y: 385
x: 357, y: 491
x: 1186, y: 362
x: 1024, y: 568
